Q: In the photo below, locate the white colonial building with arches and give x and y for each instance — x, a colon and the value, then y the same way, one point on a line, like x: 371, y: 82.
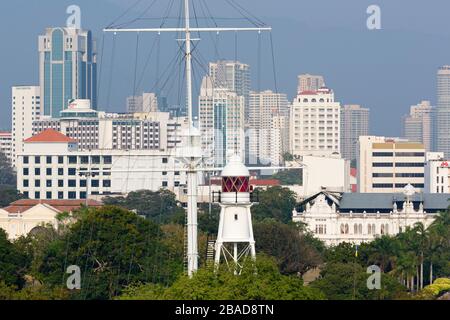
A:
x: 361, y: 217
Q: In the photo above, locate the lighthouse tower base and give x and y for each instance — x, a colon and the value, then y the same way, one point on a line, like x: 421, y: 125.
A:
x: 235, y: 241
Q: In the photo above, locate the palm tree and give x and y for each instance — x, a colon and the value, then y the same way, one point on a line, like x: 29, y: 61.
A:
x: 383, y: 252
x: 420, y: 244
x: 439, y: 238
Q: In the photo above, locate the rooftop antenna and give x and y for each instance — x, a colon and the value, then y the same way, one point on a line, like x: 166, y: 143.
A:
x: 190, y: 153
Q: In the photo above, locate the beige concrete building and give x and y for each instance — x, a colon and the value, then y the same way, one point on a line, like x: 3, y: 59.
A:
x: 309, y: 82
x: 354, y: 123
x: 417, y: 125
x: 387, y: 165
x: 315, y: 124
x: 23, y: 216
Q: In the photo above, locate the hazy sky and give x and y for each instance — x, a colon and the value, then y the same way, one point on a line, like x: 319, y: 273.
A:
x: 386, y: 70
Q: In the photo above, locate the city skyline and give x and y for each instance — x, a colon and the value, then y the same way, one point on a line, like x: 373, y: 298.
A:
x: 400, y: 90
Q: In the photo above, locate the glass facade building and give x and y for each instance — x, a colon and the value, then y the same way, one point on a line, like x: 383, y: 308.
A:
x: 68, y: 69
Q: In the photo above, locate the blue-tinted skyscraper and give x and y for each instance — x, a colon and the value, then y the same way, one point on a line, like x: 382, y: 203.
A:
x: 67, y: 68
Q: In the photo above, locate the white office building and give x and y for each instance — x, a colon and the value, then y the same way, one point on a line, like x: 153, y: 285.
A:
x: 234, y: 76
x: 100, y: 130
x: 387, y: 165
x: 52, y: 167
x: 437, y: 173
x: 268, y: 130
x: 221, y: 122
x: 26, y: 108
x: 6, y: 144
x: 315, y: 124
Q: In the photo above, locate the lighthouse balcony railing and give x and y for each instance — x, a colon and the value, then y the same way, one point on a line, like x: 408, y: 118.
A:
x: 235, y: 197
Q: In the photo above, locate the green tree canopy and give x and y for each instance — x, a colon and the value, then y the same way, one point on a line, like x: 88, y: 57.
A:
x: 114, y: 248
x: 347, y: 281
x: 289, y: 177
x: 266, y: 284
x: 7, y: 174
x: 13, y: 263
x: 292, y: 251
x: 275, y: 203
x: 161, y: 206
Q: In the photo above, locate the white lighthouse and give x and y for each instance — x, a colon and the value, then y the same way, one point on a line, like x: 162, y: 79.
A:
x: 235, y: 241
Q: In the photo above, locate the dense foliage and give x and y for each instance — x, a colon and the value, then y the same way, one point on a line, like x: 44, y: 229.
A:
x: 8, y: 191
x: 291, y: 249
x: 289, y: 177
x: 161, y: 206
x: 122, y: 254
x: 261, y: 281
x: 275, y: 203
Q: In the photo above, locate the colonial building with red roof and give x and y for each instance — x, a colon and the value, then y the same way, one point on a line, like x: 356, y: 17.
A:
x: 22, y: 216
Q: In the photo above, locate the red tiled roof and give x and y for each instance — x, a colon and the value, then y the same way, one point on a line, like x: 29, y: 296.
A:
x: 308, y: 92
x: 265, y: 182
x: 50, y: 135
x: 60, y: 205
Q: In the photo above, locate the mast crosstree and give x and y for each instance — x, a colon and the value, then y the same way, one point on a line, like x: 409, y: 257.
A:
x: 190, y: 154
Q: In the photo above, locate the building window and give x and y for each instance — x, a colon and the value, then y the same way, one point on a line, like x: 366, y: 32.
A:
x: 60, y: 183
x: 83, y: 195
x: 49, y: 171
x: 49, y: 159
x: 72, y: 195
x: 37, y: 160
x: 95, y: 159
x: 83, y: 183
x: 383, y: 164
x: 37, y: 195
x: 26, y: 183
x: 165, y: 160
x: 72, y: 183
x: 60, y: 160
x: 49, y: 195
x: 37, y: 171
x: 37, y: 183
x: 60, y: 171
x: 60, y: 195
x: 95, y: 183
x: 49, y: 183
x: 107, y: 159
x: 26, y: 171
x: 26, y: 160
x: 72, y: 171
x: 164, y: 184
x: 72, y: 160
x: 382, y: 154
x: 107, y: 183
x: 382, y: 185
